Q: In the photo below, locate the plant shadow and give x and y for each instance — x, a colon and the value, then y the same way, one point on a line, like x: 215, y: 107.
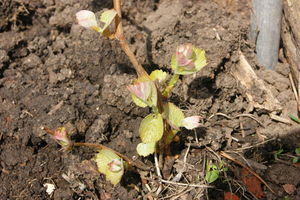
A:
x: 202, y: 88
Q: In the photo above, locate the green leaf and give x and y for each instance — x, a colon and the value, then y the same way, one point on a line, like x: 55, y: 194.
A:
x: 173, y: 114
x: 297, y: 151
x: 103, y: 159
x: 296, y: 119
x: 151, y: 128
x: 278, y: 153
x: 212, y: 175
x: 107, y: 17
x: 295, y: 160
x: 286, y: 198
x: 159, y: 75
x: 200, y: 59
x: 153, y: 97
x: 174, y: 64
x: 145, y: 149
x: 138, y: 101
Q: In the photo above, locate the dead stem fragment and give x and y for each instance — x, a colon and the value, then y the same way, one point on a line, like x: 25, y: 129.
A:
x: 224, y: 154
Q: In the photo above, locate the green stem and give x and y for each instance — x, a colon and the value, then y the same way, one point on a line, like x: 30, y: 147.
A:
x: 172, y: 82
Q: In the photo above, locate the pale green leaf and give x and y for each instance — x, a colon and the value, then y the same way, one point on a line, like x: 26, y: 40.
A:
x: 200, y: 59
x: 159, y: 75
x: 212, y: 175
x: 103, y: 158
x: 107, y: 17
x: 173, y: 114
x: 153, y: 97
x: 174, y: 64
x: 151, y: 128
x: 138, y: 101
x: 295, y: 160
x: 145, y: 149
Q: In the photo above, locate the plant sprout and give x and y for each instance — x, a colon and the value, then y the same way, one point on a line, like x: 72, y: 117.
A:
x: 158, y: 129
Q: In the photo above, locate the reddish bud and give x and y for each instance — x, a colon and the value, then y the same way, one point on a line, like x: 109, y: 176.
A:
x: 115, y: 165
x: 61, y: 137
x: 141, y: 89
x: 184, y: 56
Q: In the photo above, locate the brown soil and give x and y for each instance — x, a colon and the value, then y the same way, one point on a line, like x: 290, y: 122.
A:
x: 54, y: 73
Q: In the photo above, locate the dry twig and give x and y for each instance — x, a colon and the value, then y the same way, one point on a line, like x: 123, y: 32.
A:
x: 240, y: 115
x: 293, y: 86
x: 179, y: 175
x: 186, y: 184
x: 158, y: 173
x: 224, y: 154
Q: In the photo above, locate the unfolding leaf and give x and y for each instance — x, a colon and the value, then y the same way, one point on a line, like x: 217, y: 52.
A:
x: 191, y: 122
x: 87, y: 19
x: 106, y: 160
x: 173, y: 114
x: 143, y: 92
x: 230, y: 196
x: 61, y: 136
x: 115, y: 165
x: 252, y: 183
x: 212, y: 172
x: 141, y: 89
x: 159, y: 75
x: 138, y: 101
x: 144, y: 89
x: 184, y: 56
x: 200, y: 60
x: 145, y: 149
x: 151, y: 128
x: 107, y: 17
x: 188, y: 60
x: 140, y: 92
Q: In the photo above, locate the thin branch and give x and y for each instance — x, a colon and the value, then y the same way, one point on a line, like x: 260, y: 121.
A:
x: 252, y: 117
x: 186, y: 184
x: 293, y: 87
x: 119, y: 35
x: 100, y: 146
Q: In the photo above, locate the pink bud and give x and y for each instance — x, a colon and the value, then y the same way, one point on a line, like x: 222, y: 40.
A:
x: 87, y: 19
x: 115, y: 165
x: 62, y: 137
x: 141, y: 89
x: 184, y: 56
x: 191, y: 122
